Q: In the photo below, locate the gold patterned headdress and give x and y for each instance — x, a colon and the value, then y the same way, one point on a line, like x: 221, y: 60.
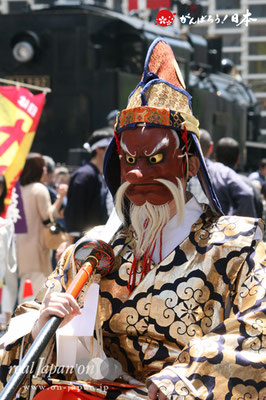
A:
x: 159, y: 100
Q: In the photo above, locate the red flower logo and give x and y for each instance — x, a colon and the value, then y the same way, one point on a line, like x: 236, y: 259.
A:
x: 164, y: 18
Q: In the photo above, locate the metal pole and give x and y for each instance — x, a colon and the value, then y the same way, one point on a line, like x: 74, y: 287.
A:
x: 32, y: 355
x: 90, y: 254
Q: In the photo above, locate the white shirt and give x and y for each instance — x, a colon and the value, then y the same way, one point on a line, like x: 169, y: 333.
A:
x: 174, y: 232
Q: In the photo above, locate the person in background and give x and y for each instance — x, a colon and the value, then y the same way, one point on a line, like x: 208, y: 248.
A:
x: 61, y: 175
x: 51, y: 181
x: 260, y: 174
x: 34, y: 259
x: 87, y: 193
x: 56, y: 181
x: 228, y: 153
x: 8, y: 263
x: 263, y: 196
x: 49, y: 177
x: 54, y: 192
x: 234, y: 195
x: 111, y: 117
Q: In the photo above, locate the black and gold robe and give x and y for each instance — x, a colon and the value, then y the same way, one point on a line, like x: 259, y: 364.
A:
x: 195, y: 324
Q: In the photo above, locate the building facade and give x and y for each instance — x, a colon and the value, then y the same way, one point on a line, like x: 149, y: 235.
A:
x: 242, y: 24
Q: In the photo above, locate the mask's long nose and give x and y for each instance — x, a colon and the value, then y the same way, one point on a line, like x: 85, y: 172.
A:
x: 134, y: 176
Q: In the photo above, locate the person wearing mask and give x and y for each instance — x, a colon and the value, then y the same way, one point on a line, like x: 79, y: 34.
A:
x: 183, y: 307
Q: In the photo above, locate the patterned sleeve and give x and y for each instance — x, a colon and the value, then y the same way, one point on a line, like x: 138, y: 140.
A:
x: 14, y: 352
x: 58, y: 281
x: 229, y: 362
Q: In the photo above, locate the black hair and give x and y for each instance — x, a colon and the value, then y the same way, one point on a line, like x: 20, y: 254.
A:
x: 205, y: 141
x: 262, y: 163
x: 227, y: 151
x: 96, y: 136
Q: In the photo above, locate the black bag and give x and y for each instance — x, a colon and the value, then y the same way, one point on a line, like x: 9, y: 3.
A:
x: 54, y: 234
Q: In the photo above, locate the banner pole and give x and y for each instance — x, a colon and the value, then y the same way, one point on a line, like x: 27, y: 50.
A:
x: 26, y: 85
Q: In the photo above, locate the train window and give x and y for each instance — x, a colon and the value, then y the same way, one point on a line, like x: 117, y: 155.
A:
x: 199, y: 30
x: 257, y: 10
x: 263, y: 120
x: 257, y: 67
x: 227, y: 4
x: 18, y: 6
x: 257, y: 30
x: 257, y: 85
x: 262, y: 105
x: 231, y: 40
x: 204, y: 10
x: 257, y: 48
x: 130, y: 54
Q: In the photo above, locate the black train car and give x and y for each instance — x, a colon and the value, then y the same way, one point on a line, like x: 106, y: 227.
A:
x: 92, y: 58
x: 227, y: 107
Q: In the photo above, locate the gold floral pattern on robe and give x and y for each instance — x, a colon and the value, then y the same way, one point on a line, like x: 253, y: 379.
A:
x: 195, y: 325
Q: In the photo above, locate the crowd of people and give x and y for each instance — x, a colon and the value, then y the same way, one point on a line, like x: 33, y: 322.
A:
x: 237, y: 193
x: 76, y: 200
x: 183, y: 309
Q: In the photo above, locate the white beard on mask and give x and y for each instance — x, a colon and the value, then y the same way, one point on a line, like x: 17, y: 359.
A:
x: 148, y: 220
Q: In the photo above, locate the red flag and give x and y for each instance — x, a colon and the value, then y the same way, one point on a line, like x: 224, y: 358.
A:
x: 20, y: 112
x: 148, y: 4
